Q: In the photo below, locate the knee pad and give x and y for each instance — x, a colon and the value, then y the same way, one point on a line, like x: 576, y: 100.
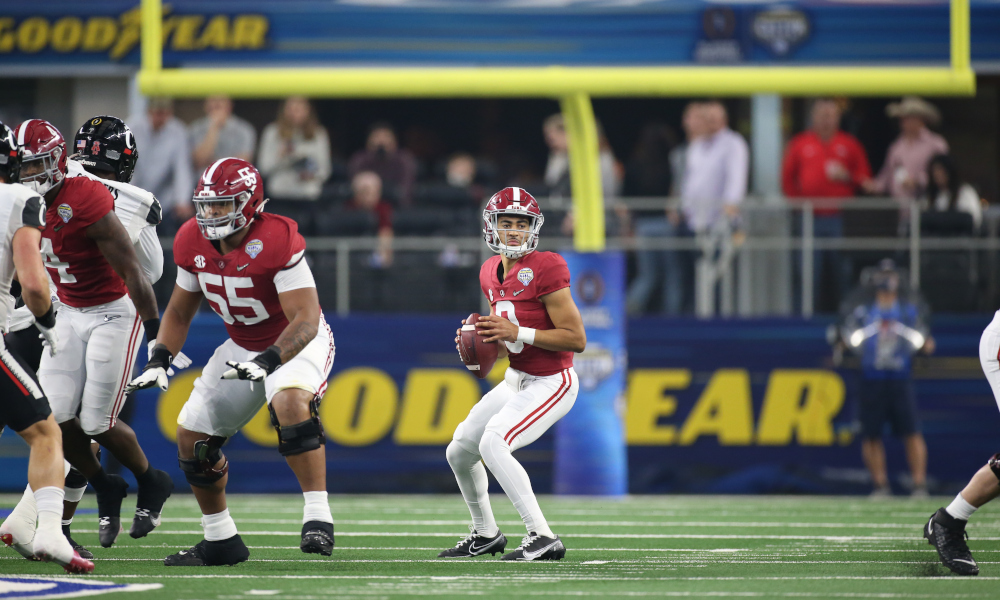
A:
x: 93, y: 429
x: 458, y: 456
x: 491, y: 443
x: 299, y: 437
x: 200, y: 471
x: 995, y: 464
x: 75, y: 479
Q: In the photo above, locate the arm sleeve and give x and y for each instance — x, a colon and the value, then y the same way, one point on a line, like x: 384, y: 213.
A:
x: 736, y: 173
x: 188, y: 281
x: 554, y: 276
x: 150, y: 254
x: 294, y: 278
x: 33, y: 214
x: 99, y: 202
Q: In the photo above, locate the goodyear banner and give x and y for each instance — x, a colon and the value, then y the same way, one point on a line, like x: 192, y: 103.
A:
x: 494, y: 32
x: 720, y: 406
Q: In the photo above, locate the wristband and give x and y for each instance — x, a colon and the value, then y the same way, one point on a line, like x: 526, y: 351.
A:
x: 152, y: 328
x: 269, y: 359
x: 159, y: 358
x: 48, y: 320
x: 526, y: 335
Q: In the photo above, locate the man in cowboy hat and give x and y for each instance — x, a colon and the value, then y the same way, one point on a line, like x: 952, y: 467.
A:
x: 903, y: 175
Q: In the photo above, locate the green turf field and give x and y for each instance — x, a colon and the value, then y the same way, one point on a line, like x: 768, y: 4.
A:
x: 667, y: 546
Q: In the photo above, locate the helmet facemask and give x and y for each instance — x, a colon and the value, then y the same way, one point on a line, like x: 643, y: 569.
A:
x: 49, y: 175
x: 496, y: 237
x: 225, y: 224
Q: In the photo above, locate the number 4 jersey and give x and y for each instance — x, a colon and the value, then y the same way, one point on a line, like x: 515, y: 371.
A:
x: 516, y: 298
x: 242, y: 286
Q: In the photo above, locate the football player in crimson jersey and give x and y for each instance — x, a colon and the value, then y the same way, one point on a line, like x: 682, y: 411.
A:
x: 250, y: 266
x: 107, y: 303
x: 534, y: 318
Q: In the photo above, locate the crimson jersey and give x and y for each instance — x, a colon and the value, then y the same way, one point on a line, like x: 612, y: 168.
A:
x: 517, y: 300
x: 82, y: 275
x: 240, y: 285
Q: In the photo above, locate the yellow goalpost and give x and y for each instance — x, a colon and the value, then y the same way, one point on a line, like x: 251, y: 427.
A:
x: 572, y: 86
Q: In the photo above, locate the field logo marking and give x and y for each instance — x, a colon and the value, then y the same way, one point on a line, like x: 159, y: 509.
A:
x: 38, y: 588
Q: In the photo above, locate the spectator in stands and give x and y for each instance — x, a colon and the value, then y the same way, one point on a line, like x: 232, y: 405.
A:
x: 382, y: 155
x: 294, y: 153
x: 220, y: 133
x: 661, y: 267
x: 715, y: 176
x: 367, y: 188
x: 460, y: 171
x: 165, y: 164
x: 825, y: 163
x: 557, y: 170
x: 904, y: 173
x: 947, y: 193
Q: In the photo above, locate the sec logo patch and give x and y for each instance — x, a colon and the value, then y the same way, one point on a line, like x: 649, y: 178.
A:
x: 199, y: 261
x: 525, y: 276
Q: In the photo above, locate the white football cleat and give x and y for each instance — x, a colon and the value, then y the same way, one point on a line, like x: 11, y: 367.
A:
x: 18, y: 530
x: 52, y: 546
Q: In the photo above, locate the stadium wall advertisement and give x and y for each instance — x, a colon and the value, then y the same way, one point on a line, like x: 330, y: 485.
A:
x: 499, y: 32
x: 733, y: 406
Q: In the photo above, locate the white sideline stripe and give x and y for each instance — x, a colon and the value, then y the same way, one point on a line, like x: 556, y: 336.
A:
x: 649, y: 561
x: 547, y: 578
x: 460, y: 522
x: 631, y: 536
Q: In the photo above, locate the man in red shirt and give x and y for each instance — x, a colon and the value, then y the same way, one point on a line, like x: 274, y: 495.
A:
x: 825, y: 163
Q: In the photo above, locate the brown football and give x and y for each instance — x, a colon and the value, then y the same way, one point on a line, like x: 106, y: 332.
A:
x: 478, y: 356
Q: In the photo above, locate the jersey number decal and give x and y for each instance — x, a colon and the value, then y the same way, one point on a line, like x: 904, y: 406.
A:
x: 221, y: 305
x: 52, y: 262
x: 505, y: 309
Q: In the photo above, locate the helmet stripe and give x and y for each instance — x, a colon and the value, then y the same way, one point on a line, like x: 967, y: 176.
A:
x: 207, y: 178
x: 517, y: 195
x: 20, y: 133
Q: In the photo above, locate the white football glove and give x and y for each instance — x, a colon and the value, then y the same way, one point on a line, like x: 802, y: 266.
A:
x: 181, y: 361
x: 249, y: 371
x: 147, y: 379
x: 49, y: 338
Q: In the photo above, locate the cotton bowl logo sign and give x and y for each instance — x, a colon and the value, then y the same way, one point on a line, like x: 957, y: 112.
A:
x: 38, y: 587
x: 780, y: 29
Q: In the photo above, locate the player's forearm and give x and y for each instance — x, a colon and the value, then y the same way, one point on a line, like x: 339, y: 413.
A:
x: 141, y: 293
x: 297, y: 335
x: 560, y: 340
x: 173, y: 330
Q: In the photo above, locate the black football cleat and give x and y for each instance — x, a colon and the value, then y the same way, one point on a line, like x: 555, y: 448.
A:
x: 476, y: 545
x: 211, y: 554
x: 317, y: 538
x: 109, y: 508
x: 149, y: 504
x: 947, y: 535
x: 83, y: 552
x: 537, y: 547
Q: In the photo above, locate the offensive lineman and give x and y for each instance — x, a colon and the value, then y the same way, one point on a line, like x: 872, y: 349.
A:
x: 23, y: 405
x: 945, y: 530
x: 107, y: 303
x: 250, y: 266
x: 106, y: 152
x: 533, y: 314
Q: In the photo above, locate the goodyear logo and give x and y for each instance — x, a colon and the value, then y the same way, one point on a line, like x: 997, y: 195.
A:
x: 118, y: 35
x: 363, y: 406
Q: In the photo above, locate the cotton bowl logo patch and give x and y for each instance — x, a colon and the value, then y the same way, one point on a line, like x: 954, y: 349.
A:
x: 525, y: 276
x: 65, y: 212
x: 57, y: 587
x: 254, y: 247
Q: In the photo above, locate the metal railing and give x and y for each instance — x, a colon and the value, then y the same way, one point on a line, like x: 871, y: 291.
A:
x: 724, y: 270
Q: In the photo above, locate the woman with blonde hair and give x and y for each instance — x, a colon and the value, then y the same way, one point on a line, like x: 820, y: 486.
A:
x: 294, y: 153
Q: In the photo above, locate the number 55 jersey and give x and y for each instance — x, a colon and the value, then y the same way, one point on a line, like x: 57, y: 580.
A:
x: 516, y: 298
x: 242, y: 286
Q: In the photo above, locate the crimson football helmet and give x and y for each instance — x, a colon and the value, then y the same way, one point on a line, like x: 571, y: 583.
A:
x: 232, y: 184
x: 512, y: 201
x: 43, y: 151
